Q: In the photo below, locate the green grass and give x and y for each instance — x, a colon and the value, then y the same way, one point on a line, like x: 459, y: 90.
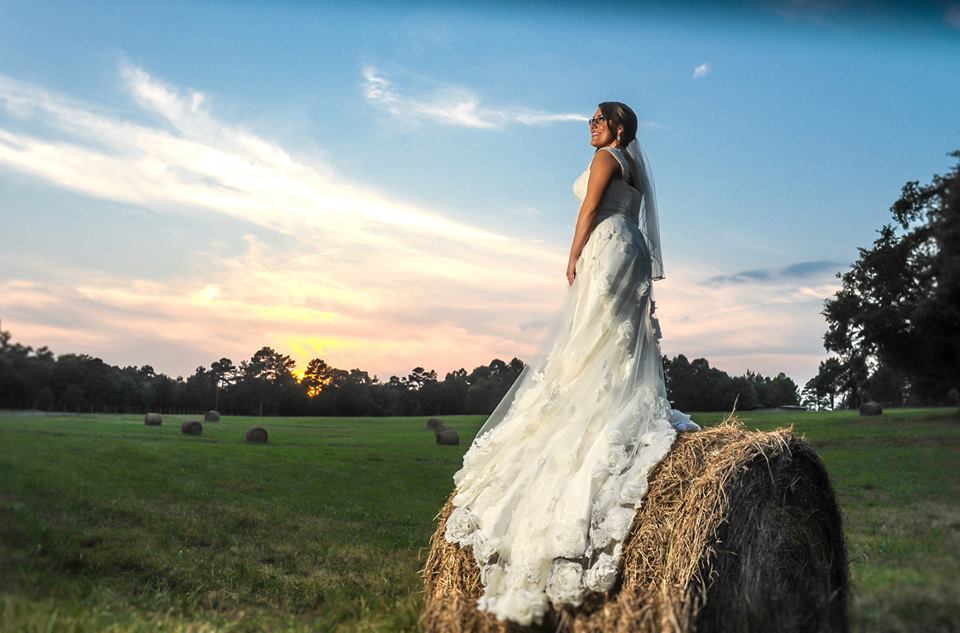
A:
x: 107, y: 524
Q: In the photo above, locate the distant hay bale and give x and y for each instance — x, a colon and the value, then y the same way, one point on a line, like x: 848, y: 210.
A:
x: 257, y: 435
x: 191, y: 427
x: 870, y: 408
x: 435, y: 424
x: 211, y: 416
x: 153, y: 419
x: 448, y: 437
x: 739, y: 531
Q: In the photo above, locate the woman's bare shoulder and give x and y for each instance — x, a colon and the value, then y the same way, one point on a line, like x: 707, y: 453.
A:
x: 604, y: 157
x: 604, y: 160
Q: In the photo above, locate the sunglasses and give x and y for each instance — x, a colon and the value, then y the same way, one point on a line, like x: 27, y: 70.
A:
x: 596, y: 121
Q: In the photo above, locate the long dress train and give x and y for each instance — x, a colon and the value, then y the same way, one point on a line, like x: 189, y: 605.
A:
x: 550, y: 485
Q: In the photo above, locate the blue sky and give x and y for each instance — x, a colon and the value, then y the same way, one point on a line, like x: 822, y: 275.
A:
x: 391, y: 187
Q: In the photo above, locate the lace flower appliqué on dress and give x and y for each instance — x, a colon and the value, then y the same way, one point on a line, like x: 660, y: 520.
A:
x: 546, y: 498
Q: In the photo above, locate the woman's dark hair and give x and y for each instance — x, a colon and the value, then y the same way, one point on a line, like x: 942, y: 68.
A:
x: 617, y: 113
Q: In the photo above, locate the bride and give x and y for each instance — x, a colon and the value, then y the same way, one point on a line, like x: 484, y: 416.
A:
x: 550, y: 485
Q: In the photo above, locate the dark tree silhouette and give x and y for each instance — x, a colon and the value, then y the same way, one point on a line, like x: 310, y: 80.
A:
x: 899, y: 305
x: 224, y: 374
x: 695, y: 386
x: 265, y: 385
x: 824, y: 387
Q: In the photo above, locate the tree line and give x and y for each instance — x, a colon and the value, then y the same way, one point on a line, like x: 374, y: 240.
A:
x: 266, y: 385
x: 894, y: 325
x: 695, y: 386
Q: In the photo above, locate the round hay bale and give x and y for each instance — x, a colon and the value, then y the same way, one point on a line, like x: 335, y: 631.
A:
x: 153, y: 419
x: 435, y: 424
x: 257, y: 435
x: 870, y: 408
x: 448, y: 437
x: 211, y: 416
x: 739, y: 531
x: 191, y: 427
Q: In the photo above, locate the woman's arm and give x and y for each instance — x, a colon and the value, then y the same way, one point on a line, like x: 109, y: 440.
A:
x: 602, y: 169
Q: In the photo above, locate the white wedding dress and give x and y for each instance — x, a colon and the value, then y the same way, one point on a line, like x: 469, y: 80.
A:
x: 550, y: 485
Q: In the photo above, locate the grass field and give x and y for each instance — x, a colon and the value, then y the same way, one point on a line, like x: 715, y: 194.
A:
x: 107, y: 524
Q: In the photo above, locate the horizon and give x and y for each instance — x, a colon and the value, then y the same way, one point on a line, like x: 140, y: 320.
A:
x: 298, y: 372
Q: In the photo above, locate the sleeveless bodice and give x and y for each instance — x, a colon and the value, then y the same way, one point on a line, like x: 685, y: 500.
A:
x: 620, y: 198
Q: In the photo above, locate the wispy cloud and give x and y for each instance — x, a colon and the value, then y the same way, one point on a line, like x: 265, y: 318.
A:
x: 765, y: 322
x: 452, y: 105
x: 764, y: 319
x: 791, y: 273
x: 363, y: 279
x: 370, y: 281
x: 701, y: 70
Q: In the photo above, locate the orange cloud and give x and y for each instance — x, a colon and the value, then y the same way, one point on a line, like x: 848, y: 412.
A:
x: 370, y: 281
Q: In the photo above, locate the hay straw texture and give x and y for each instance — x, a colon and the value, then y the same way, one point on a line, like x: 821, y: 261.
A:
x: 739, y: 531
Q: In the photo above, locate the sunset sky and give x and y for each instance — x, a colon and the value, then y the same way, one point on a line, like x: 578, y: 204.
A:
x: 391, y: 188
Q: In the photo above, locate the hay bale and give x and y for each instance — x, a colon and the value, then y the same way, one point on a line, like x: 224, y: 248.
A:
x: 191, y: 427
x: 257, y: 435
x: 435, y: 424
x: 870, y: 408
x: 211, y: 416
x: 448, y: 437
x: 153, y: 419
x: 739, y: 531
